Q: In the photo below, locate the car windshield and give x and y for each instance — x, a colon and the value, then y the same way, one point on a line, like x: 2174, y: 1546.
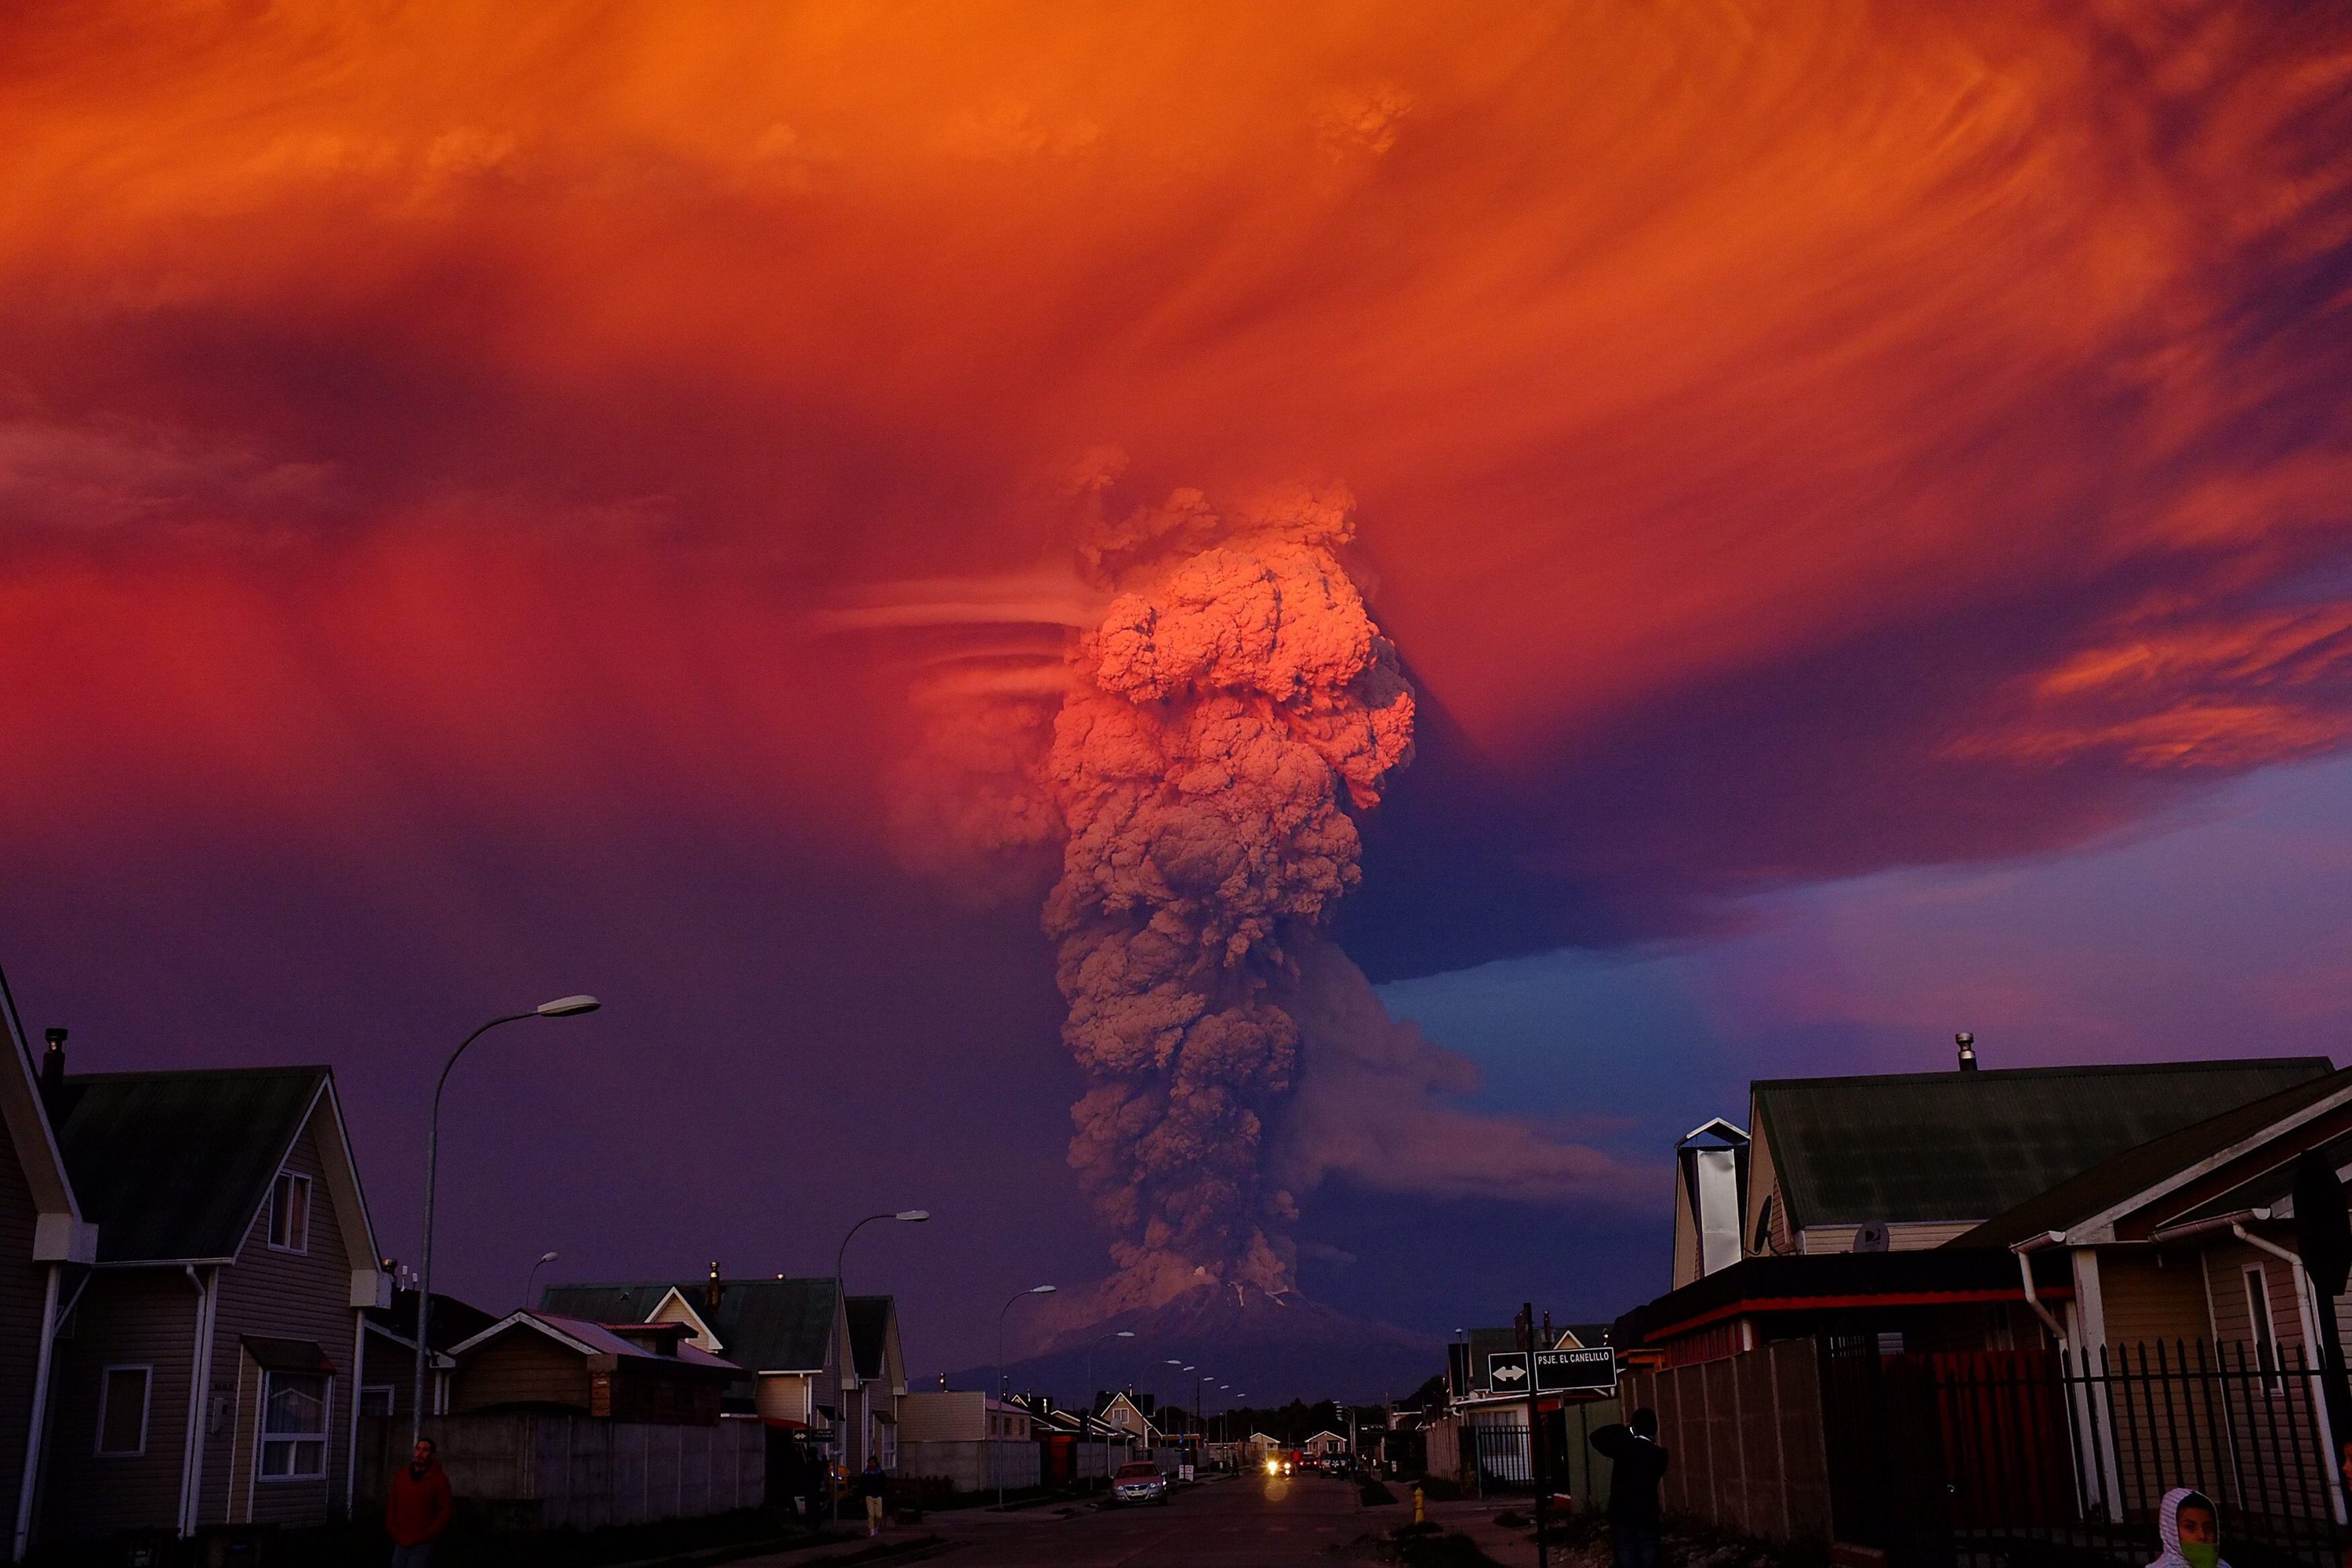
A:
x: 1143, y: 1468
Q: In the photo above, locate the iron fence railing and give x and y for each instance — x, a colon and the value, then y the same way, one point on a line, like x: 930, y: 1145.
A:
x: 1997, y: 1459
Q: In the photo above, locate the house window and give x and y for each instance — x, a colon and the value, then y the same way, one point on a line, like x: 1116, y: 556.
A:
x: 293, y: 1425
x: 290, y: 1212
x: 2258, y: 1319
x: 122, y: 1394
x: 376, y: 1401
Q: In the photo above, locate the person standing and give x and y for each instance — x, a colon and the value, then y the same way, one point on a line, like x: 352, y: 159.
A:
x: 1637, y: 1466
x: 874, y: 1484
x: 417, y: 1510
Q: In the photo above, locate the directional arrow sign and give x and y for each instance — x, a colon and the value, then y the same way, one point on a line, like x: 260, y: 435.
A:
x: 1507, y: 1372
x: 1583, y: 1367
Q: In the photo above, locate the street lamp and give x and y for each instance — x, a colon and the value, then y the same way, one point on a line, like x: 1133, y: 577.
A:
x: 841, y: 1296
x: 531, y: 1281
x: 1003, y: 1380
x: 1091, y: 1390
x: 561, y: 1007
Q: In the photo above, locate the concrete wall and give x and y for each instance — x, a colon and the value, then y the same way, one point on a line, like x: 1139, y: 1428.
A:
x: 531, y: 1471
x: 973, y: 1467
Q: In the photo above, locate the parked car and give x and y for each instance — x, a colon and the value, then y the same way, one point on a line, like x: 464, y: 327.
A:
x: 1139, y: 1480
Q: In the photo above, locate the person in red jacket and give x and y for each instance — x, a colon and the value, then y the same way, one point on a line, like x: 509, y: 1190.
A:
x: 418, y: 1508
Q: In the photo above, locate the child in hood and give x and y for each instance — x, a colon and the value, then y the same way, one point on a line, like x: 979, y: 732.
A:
x: 2191, y: 1528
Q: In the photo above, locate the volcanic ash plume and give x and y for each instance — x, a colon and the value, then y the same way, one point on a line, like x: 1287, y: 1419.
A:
x: 1195, y: 721
x: 1233, y: 705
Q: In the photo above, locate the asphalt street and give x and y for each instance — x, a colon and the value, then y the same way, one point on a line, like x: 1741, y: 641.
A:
x: 1252, y: 1521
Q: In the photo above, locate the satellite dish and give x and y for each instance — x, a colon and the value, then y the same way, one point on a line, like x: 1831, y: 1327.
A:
x: 1870, y: 1236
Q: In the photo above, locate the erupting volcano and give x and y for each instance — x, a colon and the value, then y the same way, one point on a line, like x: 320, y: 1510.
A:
x: 1196, y: 716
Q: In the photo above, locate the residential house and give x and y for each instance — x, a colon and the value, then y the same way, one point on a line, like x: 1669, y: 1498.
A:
x: 2188, y: 1239
x: 1902, y: 1161
x: 46, y: 1250
x: 388, y: 1362
x: 964, y: 1415
x: 646, y: 1373
x: 808, y: 1364
x: 1324, y: 1444
x: 1132, y: 1414
x: 206, y: 1373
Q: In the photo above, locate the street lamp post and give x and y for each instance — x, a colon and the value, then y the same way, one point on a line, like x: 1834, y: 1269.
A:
x: 841, y: 1299
x: 561, y: 1007
x: 1091, y: 1390
x: 531, y: 1281
x: 1004, y: 1381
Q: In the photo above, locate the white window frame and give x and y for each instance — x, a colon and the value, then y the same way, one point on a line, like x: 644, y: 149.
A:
x: 289, y: 1180
x: 146, y: 1408
x: 391, y: 1397
x: 2263, y: 1330
x: 325, y: 1436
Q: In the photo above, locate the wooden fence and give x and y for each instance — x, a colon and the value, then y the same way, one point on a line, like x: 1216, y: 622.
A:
x: 1744, y: 1438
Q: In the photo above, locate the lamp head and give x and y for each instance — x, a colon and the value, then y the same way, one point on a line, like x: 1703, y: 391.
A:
x: 1042, y: 1290
x: 912, y: 1217
x: 565, y: 1006
x: 1123, y: 1334
x: 547, y: 1257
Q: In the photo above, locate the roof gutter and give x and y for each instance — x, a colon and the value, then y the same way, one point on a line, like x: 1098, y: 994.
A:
x: 2165, y: 1235
x: 2024, y: 1251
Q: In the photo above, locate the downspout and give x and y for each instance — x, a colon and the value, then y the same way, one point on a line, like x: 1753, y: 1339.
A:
x: 2304, y: 1296
x: 359, y: 1380
x: 24, y: 1533
x: 2024, y: 1251
x: 200, y: 1368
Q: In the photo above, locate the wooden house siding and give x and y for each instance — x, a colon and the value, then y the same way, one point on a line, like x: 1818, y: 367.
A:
x: 125, y: 1317
x: 270, y: 1294
x: 522, y: 1366
x: 24, y: 1284
x: 2149, y: 1297
x: 2232, y: 1319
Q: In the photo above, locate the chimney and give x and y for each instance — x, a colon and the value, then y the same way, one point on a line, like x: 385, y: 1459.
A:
x: 1967, y: 1043
x: 53, y: 1077
x: 712, y: 1290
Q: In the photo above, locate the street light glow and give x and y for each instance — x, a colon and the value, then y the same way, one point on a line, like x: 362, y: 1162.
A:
x: 912, y: 1217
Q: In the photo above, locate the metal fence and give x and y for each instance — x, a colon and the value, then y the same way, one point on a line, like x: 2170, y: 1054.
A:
x: 1991, y: 1459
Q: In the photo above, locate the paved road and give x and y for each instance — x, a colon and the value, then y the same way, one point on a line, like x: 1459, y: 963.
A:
x: 1253, y: 1522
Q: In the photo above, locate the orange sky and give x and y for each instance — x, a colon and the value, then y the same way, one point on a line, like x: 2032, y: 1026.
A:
x: 414, y: 387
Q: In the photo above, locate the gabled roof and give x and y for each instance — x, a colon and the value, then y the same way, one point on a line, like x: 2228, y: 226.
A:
x: 26, y: 1126
x: 592, y: 1338
x: 453, y: 1320
x: 174, y: 1166
x: 2136, y: 1170
x: 869, y: 1333
x: 1943, y: 1146
x: 762, y: 1325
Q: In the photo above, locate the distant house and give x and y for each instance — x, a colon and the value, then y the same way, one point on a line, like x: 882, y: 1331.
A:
x: 1131, y: 1414
x: 46, y: 1248
x: 964, y: 1415
x: 1324, y: 1443
x: 388, y: 1364
x: 810, y: 1359
x: 1902, y: 1161
x: 645, y: 1373
x: 206, y: 1373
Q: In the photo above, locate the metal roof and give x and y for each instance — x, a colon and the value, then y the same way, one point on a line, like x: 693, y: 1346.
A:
x: 2116, y: 1179
x: 594, y: 1339
x: 1912, y: 1147
x: 173, y: 1166
x: 763, y: 1325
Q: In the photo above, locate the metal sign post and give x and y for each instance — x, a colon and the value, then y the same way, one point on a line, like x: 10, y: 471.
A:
x: 1534, y: 1431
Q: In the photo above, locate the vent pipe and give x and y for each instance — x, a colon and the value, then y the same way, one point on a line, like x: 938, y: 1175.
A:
x: 1967, y: 1043
x: 712, y: 1289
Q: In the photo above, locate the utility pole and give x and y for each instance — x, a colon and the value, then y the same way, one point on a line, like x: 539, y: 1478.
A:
x: 1535, y: 1433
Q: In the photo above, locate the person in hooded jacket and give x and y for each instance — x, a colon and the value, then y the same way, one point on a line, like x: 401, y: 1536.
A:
x: 1637, y: 1466
x: 2191, y: 1528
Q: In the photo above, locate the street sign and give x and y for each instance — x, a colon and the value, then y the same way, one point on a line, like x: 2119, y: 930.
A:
x: 1583, y: 1368
x: 1507, y: 1372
